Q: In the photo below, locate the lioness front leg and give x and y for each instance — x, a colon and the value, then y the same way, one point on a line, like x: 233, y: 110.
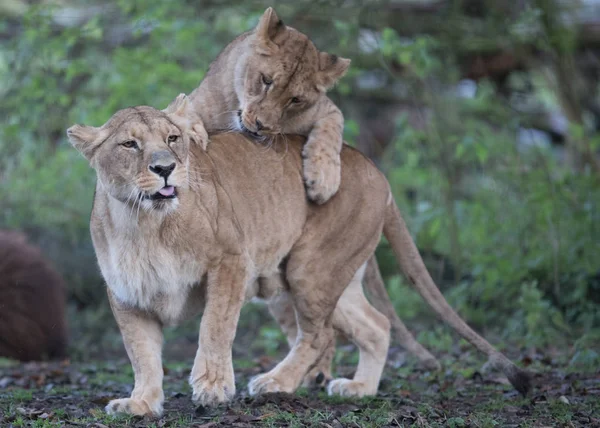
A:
x: 143, y: 338
x: 321, y: 154
x: 212, y: 378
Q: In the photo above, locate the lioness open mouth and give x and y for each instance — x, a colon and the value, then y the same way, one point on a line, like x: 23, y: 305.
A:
x: 167, y: 192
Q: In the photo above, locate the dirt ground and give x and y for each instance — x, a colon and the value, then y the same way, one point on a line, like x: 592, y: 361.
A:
x: 74, y: 394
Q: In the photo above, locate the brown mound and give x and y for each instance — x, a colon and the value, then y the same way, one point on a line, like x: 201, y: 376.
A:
x: 32, y: 302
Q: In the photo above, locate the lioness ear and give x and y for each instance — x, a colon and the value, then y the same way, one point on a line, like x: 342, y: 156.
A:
x: 183, y: 114
x: 84, y: 138
x: 331, y: 69
x: 266, y: 30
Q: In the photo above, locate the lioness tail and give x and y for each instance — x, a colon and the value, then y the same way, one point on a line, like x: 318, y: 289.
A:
x: 412, y: 265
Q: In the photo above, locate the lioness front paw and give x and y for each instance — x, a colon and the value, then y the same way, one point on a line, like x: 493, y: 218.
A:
x: 349, y: 388
x: 133, y: 406
x: 322, y: 177
x: 211, y: 389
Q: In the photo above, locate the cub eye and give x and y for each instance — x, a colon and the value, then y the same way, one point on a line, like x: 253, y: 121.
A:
x: 129, y: 144
x: 266, y: 80
x: 172, y: 138
x: 295, y: 100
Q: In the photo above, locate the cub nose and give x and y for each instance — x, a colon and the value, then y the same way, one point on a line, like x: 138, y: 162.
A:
x: 162, y: 163
x: 259, y: 125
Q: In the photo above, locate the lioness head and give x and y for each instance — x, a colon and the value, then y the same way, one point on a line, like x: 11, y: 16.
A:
x: 141, y: 154
x: 282, y: 76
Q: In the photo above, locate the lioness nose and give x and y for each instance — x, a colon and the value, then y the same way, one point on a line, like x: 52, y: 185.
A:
x: 162, y: 170
x: 259, y: 125
x: 162, y: 163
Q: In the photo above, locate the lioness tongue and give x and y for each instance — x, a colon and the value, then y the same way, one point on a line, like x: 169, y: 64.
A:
x: 167, y: 191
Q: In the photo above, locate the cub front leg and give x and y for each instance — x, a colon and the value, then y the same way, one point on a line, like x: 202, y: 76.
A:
x: 212, y: 378
x: 321, y: 154
x: 143, y: 338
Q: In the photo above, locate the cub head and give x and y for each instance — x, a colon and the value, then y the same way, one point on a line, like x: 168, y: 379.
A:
x: 141, y: 154
x: 282, y: 76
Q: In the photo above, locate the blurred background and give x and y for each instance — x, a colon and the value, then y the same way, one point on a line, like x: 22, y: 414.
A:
x: 484, y: 115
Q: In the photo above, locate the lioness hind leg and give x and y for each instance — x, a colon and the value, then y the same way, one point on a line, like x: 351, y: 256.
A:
x: 380, y: 299
x: 314, y: 306
x: 313, y: 339
x: 282, y: 309
x: 370, y: 331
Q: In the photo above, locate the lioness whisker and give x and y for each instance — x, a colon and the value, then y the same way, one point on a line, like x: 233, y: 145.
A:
x: 140, y: 196
x: 129, y: 200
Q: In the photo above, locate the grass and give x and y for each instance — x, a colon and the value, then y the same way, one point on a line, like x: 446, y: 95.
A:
x: 55, y: 395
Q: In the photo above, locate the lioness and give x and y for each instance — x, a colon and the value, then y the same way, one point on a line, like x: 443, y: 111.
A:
x: 273, y: 80
x: 178, y: 229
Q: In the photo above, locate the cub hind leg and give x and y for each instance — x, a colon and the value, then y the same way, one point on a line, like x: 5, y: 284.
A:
x: 378, y: 295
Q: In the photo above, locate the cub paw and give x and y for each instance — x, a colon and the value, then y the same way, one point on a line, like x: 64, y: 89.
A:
x: 133, y: 406
x: 349, y: 388
x: 322, y: 179
x: 200, y: 136
x: 212, y: 392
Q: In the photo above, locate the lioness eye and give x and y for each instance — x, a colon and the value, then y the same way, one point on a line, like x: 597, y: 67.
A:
x: 130, y: 144
x: 172, y: 138
x: 295, y: 100
x: 266, y: 80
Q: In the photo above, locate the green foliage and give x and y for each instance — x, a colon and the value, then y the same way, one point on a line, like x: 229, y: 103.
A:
x: 587, y: 355
x: 519, y: 228
x: 456, y: 422
x: 515, y: 227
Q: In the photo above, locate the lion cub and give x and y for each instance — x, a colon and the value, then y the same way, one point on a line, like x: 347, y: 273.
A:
x: 273, y: 80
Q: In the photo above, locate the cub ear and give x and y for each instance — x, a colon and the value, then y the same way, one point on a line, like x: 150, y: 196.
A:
x: 84, y: 138
x: 184, y: 115
x: 331, y: 69
x: 180, y: 107
x: 268, y: 27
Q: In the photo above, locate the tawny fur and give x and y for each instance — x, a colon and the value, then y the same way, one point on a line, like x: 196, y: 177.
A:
x: 32, y: 302
x: 239, y: 217
x: 273, y: 80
